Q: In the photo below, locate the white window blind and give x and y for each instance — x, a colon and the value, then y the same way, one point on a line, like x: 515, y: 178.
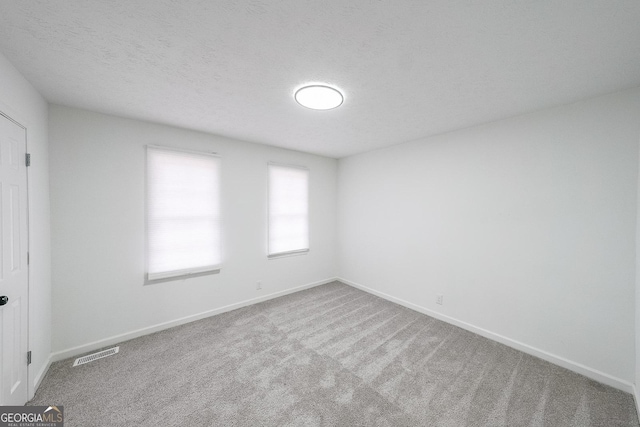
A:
x: 288, y: 210
x: 183, y: 212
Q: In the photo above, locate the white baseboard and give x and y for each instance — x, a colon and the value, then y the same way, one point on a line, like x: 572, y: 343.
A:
x: 78, y: 350
x: 636, y: 399
x: 525, y: 348
x: 40, y: 376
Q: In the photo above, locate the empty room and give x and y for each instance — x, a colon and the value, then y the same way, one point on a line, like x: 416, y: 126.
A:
x: 294, y: 213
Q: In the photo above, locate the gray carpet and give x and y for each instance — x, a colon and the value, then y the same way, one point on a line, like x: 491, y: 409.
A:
x: 328, y: 356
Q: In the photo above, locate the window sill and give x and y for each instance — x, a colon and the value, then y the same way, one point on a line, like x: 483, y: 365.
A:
x: 182, y: 276
x: 288, y: 254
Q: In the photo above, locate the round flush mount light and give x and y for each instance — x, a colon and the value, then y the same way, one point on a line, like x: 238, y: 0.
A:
x: 319, y: 97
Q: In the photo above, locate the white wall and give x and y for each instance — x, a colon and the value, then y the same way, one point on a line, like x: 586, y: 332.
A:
x: 527, y: 227
x: 97, y: 203
x: 23, y: 103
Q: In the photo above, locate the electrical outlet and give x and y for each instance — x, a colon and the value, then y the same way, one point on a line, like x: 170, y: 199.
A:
x: 439, y: 299
x: 258, y: 285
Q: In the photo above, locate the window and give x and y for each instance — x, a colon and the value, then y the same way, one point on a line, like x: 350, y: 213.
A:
x: 288, y: 210
x: 183, y: 213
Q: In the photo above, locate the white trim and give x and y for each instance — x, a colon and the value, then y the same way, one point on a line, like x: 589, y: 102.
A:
x: 636, y: 398
x: 579, y: 368
x: 15, y: 115
x: 40, y: 376
x: 182, y: 150
x: 75, y: 351
x: 288, y: 253
x: 176, y: 274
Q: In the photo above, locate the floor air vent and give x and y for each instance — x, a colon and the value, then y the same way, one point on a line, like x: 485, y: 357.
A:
x: 95, y: 356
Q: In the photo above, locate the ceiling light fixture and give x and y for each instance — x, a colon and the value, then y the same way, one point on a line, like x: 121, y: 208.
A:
x: 319, y: 97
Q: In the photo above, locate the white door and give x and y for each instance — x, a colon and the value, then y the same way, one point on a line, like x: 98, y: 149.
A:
x: 14, y: 276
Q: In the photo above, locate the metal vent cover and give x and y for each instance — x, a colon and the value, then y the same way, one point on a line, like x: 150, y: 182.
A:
x: 95, y: 356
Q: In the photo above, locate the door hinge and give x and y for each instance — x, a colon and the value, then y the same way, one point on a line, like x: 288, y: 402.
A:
x: 27, y: 159
x: 29, y: 357
x: 28, y: 258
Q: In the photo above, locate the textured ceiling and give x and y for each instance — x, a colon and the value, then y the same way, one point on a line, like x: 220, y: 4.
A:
x: 408, y: 68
